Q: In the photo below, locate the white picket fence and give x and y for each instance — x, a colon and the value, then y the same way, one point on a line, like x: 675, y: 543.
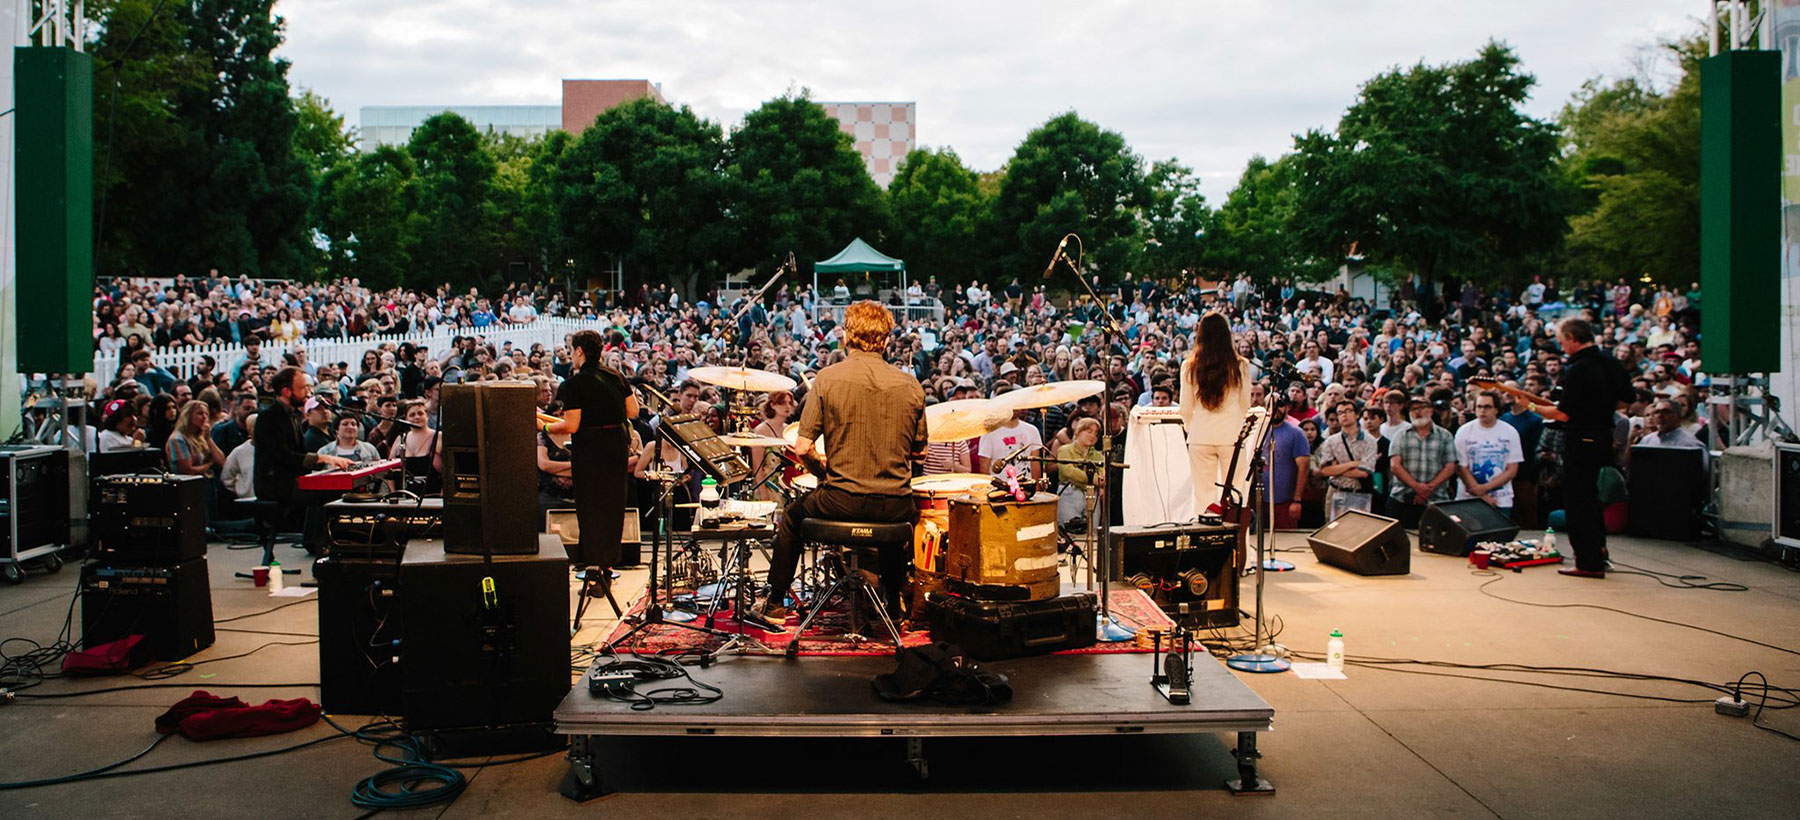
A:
x: 184, y: 361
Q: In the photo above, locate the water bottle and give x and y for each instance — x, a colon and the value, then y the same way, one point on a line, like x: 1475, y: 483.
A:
x: 1334, y: 650
x: 709, y: 497
x: 1549, y: 543
x: 275, y: 579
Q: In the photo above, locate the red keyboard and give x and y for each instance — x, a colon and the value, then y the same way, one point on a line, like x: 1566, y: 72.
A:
x: 344, y: 481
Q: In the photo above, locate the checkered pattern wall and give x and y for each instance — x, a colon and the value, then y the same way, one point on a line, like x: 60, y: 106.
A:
x: 884, y: 133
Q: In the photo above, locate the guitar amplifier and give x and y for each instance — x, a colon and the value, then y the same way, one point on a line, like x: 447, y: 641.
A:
x: 1193, y: 564
x: 378, y: 530
x: 169, y: 605
x: 149, y: 520
x: 359, y: 635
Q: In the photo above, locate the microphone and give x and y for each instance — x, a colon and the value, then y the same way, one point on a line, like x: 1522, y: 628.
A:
x: 1049, y: 268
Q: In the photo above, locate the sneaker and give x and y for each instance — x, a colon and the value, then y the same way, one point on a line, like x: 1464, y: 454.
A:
x: 1581, y: 573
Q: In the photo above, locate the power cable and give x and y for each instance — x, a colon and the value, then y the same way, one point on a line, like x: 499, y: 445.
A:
x: 1483, y: 589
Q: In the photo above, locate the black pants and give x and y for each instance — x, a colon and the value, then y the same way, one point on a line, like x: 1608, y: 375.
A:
x: 597, y: 465
x: 836, y: 505
x: 1407, y: 514
x: 1584, y: 455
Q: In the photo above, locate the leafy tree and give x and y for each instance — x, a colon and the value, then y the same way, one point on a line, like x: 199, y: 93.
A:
x: 1634, y: 155
x: 458, y: 235
x: 321, y: 139
x: 1436, y: 169
x: 539, y: 221
x: 800, y: 186
x: 1249, y: 233
x: 1172, y: 223
x: 643, y: 186
x: 939, y: 215
x: 366, y: 209
x: 1070, y: 175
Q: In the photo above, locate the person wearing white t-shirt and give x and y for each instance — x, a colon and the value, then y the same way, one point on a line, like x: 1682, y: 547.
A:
x: 1003, y: 441
x: 1488, y: 455
x: 1315, y: 364
x: 1534, y: 292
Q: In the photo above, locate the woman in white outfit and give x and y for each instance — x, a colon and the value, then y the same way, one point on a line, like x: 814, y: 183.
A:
x: 1215, y: 395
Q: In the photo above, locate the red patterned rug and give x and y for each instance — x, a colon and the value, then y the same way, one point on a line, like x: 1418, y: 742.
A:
x: 825, y: 637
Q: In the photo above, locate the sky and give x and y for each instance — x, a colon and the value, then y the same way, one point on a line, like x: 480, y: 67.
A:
x: 1207, y: 82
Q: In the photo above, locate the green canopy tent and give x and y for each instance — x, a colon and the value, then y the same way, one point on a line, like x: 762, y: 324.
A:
x: 861, y: 257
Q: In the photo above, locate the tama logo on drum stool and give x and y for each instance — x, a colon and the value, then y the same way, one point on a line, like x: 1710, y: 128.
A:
x: 862, y: 532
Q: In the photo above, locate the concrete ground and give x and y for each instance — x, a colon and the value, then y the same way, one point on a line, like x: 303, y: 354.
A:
x: 1383, y: 743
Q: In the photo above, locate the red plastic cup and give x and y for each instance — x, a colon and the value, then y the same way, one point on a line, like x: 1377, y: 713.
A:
x: 1479, y: 558
x: 260, y: 575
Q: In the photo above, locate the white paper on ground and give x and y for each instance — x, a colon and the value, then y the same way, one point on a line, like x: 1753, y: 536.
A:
x: 294, y: 592
x: 1317, y: 671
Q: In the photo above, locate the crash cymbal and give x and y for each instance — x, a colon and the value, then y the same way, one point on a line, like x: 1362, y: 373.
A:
x: 752, y: 440
x: 963, y: 419
x: 1047, y: 395
x: 792, y: 434
x: 742, y: 378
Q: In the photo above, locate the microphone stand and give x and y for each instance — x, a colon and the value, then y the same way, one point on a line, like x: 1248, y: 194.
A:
x: 1263, y: 516
x: 1110, y: 628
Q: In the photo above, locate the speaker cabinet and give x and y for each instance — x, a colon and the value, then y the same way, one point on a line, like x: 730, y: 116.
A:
x: 1740, y: 216
x: 1787, y: 495
x: 1667, y: 487
x: 480, y: 654
x: 359, y: 635
x: 149, y: 520
x: 490, y: 466
x: 171, y: 606
x: 53, y: 115
x: 1455, y: 527
x: 1363, y: 543
x: 1192, y: 564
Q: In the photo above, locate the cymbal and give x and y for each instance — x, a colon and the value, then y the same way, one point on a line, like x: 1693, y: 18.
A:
x: 963, y: 419
x: 791, y: 434
x: 752, y: 440
x: 1047, y: 395
x: 742, y: 378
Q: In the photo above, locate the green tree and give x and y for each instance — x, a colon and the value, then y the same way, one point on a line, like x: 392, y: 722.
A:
x: 1172, y: 223
x: 1249, y: 233
x: 321, y: 139
x: 939, y: 214
x: 643, y: 187
x: 1435, y: 169
x: 366, y: 206
x: 800, y: 186
x: 458, y: 234
x: 1070, y: 175
x: 1633, y: 153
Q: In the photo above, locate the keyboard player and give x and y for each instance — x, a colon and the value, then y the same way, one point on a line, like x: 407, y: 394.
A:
x: 281, y: 459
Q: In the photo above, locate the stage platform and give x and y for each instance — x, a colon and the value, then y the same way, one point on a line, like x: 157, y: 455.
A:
x: 1071, y: 694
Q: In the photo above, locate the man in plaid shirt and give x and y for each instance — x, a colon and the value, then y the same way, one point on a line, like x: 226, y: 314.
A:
x: 1347, y: 460
x: 1423, y: 461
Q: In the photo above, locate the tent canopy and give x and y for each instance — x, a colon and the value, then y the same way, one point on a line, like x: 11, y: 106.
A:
x: 858, y: 257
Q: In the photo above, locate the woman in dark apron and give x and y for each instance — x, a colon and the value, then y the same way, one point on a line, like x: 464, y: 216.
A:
x: 596, y: 401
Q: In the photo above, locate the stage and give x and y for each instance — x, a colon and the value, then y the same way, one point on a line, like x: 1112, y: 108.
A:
x: 831, y: 697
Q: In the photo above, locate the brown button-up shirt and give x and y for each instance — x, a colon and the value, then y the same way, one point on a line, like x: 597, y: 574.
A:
x: 872, y: 416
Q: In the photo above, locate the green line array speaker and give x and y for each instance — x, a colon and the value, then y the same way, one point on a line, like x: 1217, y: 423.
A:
x: 54, y: 134
x: 1740, y: 211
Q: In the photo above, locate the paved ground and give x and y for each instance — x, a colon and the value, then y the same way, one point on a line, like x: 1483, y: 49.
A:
x: 1381, y: 744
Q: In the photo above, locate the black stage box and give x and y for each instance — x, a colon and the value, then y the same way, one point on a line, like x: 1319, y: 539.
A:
x: 376, y: 530
x: 480, y: 654
x: 359, y: 635
x: 1455, y: 527
x: 1364, y: 543
x: 994, y: 630
x: 149, y: 520
x: 490, y: 468
x: 1193, y: 564
x: 171, y: 606
x: 1667, y: 487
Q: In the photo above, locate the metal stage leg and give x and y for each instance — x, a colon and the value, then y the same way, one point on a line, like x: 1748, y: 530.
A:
x: 915, y: 755
x: 583, y: 781
x: 1247, y: 755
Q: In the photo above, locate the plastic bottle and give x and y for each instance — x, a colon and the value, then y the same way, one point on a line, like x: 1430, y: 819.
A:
x: 709, y: 497
x: 275, y: 579
x: 1548, y: 545
x: 1334, y: 650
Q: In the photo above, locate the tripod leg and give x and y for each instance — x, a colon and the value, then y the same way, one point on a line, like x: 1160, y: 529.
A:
x: 818, y: 605
x: 880, y: 611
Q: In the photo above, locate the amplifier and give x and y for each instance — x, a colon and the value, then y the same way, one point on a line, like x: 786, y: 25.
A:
x: 1193, y: 564
x: 379, y: 529
x: 169, y: 605
x: 150, y: 519
x: 486, y: 638
x: 359, y: 635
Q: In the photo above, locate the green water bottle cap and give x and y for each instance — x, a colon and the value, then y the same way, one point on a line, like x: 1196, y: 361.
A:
x: 1336, y: 634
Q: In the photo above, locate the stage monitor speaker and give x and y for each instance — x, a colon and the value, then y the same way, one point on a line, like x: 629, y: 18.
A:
x: 490, y: 465
x: 1667, y: 487
x: 1193, y: 564
x: 1363, y: 543
x: 171, y: 606
x: 54, y: 150
x: 359, y: 635
x: 1787, y: 495
x: 149, y: 520
x: 481, y: 655
x: 1740, y: 218
x: 1455, y: 527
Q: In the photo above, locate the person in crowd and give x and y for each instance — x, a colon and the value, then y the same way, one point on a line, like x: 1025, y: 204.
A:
x: 1423, y: 463
x: 419, y: 450
x: 349, y: 444
x: 1347, y: 461
x: 1663, y: 429
x: 190, y: 451
x: 1488, y: 455
x: 238, y: 476
x: 119, y: 431
x: 1072, y: 499
x: 161, y: 420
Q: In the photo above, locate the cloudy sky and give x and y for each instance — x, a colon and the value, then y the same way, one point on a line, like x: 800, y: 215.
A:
x: 1209, y: 82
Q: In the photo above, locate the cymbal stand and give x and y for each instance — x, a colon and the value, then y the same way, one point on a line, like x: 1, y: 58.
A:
x: 655, y: 612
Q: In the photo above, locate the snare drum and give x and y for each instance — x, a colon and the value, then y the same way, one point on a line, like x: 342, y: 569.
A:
x: 932, y: 494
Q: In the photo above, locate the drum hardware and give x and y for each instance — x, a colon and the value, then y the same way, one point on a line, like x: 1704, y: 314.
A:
x: 656, y: 612
x: 1169, y: 674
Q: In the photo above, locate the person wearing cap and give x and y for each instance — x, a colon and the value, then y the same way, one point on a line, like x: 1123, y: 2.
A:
x: 318, y: 432
x: 1422, y: 460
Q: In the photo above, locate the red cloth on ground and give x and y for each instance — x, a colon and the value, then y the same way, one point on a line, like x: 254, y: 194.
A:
x: 271, y: 718
x: 169, y: 722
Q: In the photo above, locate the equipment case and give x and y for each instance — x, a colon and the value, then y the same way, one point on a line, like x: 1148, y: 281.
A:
x: 995, y: 630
